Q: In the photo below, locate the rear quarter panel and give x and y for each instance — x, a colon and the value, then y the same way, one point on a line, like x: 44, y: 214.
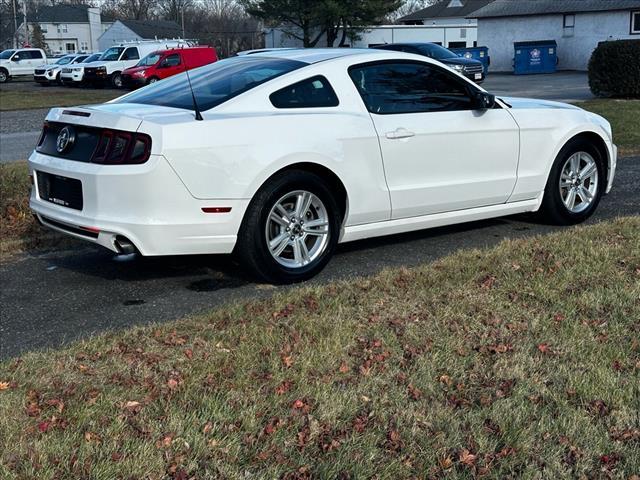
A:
x: 236, y: 149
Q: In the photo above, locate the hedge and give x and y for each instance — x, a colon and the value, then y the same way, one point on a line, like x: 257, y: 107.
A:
x: 614, y: 69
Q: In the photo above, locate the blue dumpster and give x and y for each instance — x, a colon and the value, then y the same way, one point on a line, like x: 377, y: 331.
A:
x: 535, y: 57
x: 477, y: 53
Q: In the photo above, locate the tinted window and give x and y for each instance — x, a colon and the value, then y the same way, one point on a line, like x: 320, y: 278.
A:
x: 172, y: 60
x: 131, y: 54
x: 6, y: 54
x: 213, y: 84
x: 409, y: 87
x: 34, y: 54
x: 313, y: 92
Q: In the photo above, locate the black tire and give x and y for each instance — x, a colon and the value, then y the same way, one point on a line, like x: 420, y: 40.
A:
x: 251, y: 248
x: 4, y: 75
x: 116, y: 80
x: 152, y: 80
x: 553, y: 210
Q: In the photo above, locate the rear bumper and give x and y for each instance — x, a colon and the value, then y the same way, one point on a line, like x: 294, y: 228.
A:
x: 146, y: 204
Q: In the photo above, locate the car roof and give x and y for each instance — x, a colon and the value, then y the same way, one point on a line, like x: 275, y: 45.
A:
x: 315, y: 55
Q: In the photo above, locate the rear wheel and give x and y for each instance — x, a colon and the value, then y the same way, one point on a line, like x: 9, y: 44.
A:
x: 575, y: 185
x: 291, y: 228
x: 152, y: 80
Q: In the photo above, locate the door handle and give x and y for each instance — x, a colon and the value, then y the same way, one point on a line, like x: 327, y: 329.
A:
x: 399, y: 133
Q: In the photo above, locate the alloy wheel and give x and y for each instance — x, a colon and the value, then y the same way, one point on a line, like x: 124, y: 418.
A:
x: 297, y: 229
x: 578, y: 182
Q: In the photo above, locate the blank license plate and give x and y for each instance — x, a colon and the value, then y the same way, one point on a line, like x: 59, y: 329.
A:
x: 478, y: 76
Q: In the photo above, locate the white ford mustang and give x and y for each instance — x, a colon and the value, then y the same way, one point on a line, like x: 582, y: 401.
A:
x: 281, y: 155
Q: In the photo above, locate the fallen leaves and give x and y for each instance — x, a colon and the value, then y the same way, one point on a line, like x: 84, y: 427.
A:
x: 467, y: 458
x: 4, y: 386
x: 284, y: 387
x: 132, y: 406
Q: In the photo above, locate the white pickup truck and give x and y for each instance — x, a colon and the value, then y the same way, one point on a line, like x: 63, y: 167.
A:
x: 21, y: 61
x: 108, y: 70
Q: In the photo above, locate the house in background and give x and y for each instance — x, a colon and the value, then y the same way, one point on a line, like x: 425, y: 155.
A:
x: 70, y: 28
x: 577, y: 26
x: 137, y: 30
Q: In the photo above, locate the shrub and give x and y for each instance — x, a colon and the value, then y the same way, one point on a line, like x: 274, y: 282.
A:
x: 614, y: 69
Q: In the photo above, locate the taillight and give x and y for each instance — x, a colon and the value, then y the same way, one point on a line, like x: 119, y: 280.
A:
x: 43, y: 134
x: 122, y: 148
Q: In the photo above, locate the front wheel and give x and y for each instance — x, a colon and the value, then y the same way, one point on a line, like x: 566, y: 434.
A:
x: 116, y: 80
x: 575, y: 185
x: 4, y: 75
x: 291, y: 228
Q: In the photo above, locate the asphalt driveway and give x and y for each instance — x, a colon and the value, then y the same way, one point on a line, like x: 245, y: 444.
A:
x: 53, y: 298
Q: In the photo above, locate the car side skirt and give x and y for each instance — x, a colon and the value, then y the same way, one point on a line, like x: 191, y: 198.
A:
x: 402, y: 225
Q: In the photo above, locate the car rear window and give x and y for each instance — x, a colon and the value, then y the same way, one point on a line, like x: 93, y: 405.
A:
x: 213, y: 84
x: 313, y: 92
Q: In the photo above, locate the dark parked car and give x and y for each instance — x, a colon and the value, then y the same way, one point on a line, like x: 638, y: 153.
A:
x: 470, y: 68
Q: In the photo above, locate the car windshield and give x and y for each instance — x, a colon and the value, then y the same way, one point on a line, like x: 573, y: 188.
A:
x: 112, y: 54
x: 65, y: 60
x: 213, y: 84
x: 6, y: 54
x: 92, y: 58
x: 436, y: 51
x: 149, y: 60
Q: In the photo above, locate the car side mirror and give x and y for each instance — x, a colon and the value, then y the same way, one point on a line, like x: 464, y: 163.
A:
x: 483, y: 100
x: 15, y: 59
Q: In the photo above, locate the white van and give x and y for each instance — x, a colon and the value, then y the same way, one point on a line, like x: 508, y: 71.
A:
x: 107, y: 70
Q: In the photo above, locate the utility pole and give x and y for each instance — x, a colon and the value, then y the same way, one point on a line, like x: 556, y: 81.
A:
x: 182, y: 14
x: 15, y: 24
x: 26, y: 25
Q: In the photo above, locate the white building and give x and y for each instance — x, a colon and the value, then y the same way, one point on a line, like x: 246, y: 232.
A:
x: 136, y: 30
x: 70, y: 28
x: 576, y: 25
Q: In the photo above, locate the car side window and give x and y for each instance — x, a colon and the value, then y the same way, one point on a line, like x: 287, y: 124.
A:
x: 172, y: 60
x: 409, y: 87
x: 36, y: 54
x: 131, y: 53
x: 313, y: 92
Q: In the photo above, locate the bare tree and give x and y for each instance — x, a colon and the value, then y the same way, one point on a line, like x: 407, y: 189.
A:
x: 130, y: 9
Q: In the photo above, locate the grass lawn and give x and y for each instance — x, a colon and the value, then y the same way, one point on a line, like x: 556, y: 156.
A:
x: 18, y: 230
x: 52, y: 97
x: 624, y: 116
x: 521, y: 361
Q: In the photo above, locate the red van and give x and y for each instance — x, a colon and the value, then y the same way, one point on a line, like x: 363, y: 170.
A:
x: 165, y: 63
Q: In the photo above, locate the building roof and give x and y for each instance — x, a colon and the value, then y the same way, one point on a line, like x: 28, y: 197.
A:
x: 150, y: 29
x: 510, y: 8
x: 65, y: 14
x: 446, y: 9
